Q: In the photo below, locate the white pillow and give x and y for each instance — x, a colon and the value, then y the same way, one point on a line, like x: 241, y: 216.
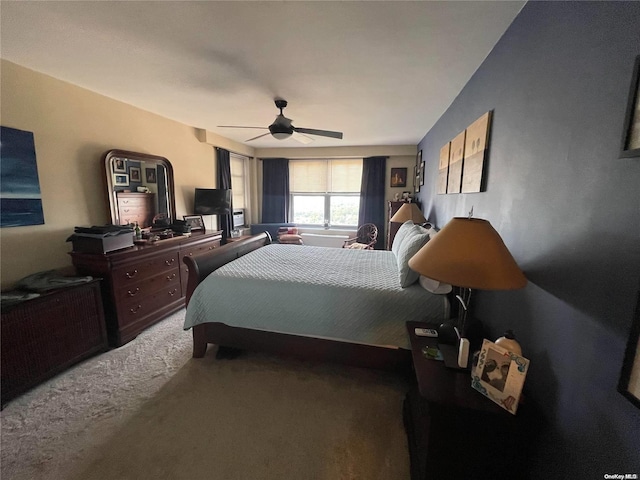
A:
x: 404, y: 229
x: 413, y: 241
x: 434, y: 286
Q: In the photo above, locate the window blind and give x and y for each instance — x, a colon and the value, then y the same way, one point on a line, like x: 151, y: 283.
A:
x: 238, y: 180
x: 325, y: 176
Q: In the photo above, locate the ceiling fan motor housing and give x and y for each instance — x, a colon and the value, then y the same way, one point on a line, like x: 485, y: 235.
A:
x: 279, y: 129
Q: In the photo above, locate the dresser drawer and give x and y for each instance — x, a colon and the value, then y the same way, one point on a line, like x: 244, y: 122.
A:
x: 142, y: 288
x: 132, y: 274
x: 190, y: 251
x: 139, y: 309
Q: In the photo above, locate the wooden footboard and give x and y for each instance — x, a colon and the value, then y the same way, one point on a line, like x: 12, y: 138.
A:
x: 307, y: 348
x: 200, y: 266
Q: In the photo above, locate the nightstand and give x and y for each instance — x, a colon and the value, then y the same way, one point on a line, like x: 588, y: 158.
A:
x: 453, y: 430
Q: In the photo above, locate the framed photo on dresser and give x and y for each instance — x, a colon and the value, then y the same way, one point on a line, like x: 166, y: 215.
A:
x: 195, y: 222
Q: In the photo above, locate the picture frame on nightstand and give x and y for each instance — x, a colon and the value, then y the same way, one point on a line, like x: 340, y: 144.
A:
x: 499, y: 375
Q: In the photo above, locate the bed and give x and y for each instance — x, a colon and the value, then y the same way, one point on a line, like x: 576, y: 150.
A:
x: 318, y: 303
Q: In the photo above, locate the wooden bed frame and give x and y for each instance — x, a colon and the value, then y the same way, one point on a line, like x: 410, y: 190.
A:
x: 304, y: 347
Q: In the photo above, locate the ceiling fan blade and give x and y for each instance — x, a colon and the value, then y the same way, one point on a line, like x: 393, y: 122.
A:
x: 237, y: 126
x: 301, y: 138
x: 259, y: 136
x: 322, y: 133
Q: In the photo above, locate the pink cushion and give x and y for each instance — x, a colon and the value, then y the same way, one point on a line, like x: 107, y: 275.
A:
x: 290, y: 238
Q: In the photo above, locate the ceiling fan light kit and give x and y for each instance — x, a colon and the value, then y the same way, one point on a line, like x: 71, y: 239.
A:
x: 282, y: 128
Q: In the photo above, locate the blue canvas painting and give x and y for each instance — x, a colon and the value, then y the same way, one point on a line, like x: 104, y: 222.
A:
x: 20, y: 199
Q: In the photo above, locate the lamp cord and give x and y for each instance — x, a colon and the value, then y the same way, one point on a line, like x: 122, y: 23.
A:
x: 464, y: 297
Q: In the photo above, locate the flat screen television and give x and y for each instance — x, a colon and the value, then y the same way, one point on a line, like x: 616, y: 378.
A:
x: 212, y: 201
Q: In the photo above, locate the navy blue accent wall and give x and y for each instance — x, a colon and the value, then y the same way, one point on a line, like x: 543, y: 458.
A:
x: 569, y: 210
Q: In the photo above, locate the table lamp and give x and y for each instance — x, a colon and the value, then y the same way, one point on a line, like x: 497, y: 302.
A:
x: 408, y: 211
x: 469, y: 254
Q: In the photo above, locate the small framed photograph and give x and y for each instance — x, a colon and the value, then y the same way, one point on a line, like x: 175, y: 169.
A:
x: 631, y: 133
x: 500, y: 375
x: 150, y: 175
x: 135, y: 175
x: 398, y: 177
x: 119, y: 165
x: 195, y: 222
x: 120, y: 180
x: 421, y: 174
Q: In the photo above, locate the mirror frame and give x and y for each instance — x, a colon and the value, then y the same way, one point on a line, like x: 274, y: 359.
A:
x: 143, y: 157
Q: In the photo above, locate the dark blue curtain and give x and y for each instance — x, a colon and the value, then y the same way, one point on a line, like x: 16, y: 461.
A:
x: 275, y: 190
x: 372, y: 195
x: 224, y: 181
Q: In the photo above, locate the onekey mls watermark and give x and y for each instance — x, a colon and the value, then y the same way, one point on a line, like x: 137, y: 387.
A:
x: 621, y: 476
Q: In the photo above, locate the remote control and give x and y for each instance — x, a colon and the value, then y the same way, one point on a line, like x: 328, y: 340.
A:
x: 426, y: 332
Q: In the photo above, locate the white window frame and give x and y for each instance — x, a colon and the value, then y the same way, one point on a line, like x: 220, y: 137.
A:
x: 245, y: 182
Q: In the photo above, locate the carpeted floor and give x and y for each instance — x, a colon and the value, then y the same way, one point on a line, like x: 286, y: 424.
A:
x: 149, y: 411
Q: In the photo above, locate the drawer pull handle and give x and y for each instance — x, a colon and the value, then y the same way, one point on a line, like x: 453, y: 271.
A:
x: 134, y: 293
x: 135, y: 309
x: 211, y: 248
x: 171, y: 277
x: 169, y: 262
x: 133, y: 274
x: 191, y: 254
x: 173, y: 292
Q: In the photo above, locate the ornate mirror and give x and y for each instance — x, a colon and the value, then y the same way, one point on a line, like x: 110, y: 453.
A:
x: 140, y: 188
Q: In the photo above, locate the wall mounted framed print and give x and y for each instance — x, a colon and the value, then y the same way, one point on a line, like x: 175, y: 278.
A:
x: 150, y: 175
x: 121, y: 179
x: 20, y: 197
x: 443, y: 169
x: 135, y: 174
x: 500, y: 375
x: 119, y: 165
x: 454, y: 182
x: 398, y: 177
x: 629, y: 384
x: 475, y: 151
x: 631, y: 132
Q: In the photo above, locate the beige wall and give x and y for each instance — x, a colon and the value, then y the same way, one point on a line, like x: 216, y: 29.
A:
x: 74, y: 127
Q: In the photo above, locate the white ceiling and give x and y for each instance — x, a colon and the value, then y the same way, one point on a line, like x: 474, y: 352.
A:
x: 381, y: 72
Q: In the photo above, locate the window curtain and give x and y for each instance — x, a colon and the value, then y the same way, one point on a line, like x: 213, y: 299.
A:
x: 275, y: 190
x: 224, y: 181
x: 372, y: 195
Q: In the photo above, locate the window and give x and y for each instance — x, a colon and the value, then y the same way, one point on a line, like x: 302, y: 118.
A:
x: 325, y: 192
x: 239, y: 181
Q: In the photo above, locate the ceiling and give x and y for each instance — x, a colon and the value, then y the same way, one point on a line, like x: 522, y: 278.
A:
x: 381, y: 72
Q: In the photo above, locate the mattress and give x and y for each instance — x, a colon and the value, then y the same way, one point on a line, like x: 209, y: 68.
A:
x: 340, y: 294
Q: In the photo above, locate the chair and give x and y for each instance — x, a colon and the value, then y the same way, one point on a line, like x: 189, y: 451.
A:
x: 365, y: 239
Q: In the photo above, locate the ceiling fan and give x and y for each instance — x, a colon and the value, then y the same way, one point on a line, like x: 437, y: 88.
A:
x: 281, y: 128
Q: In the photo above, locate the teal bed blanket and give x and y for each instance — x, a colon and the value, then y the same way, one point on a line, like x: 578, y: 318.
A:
x: 334, y: 293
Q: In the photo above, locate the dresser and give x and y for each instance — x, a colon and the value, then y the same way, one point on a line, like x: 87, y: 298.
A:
x: 47, y: 334
x: 144, y: 283
x: 137, y: 208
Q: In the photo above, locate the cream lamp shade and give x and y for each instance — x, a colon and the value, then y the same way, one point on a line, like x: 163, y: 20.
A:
x: 469, y: 253
x: 408, y: 211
